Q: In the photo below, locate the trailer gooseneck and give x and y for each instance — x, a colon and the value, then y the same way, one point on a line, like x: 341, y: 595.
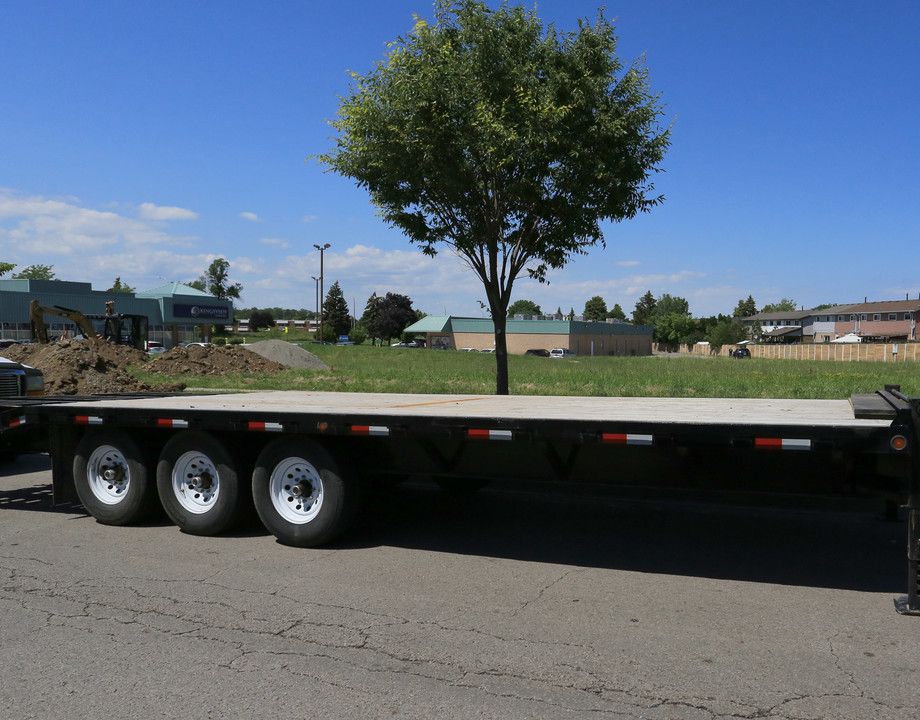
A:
x: 304, y: 459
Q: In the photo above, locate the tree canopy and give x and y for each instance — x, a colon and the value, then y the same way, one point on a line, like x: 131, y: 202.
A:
x: 595, y: 309
x: 784, y: 305
x: 524, y: 307
x: 616, y: 312
x: 216, y: 281
x: 6, y: 267
x: 645, y: 308
x: 336, y: 318
x: 505, y: 141
x: 745, y: 308
x: 119, y: 287
x: 36, y: 272
x: 387, y: 316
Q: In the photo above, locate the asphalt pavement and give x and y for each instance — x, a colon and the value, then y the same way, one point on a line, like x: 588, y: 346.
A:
x: 504, y: 604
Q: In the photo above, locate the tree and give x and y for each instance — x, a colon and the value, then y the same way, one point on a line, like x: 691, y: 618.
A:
x: 674, y: 329
x: 336, y: 317
x: 260, y: 319
x: 505, y: 141
x: 119, y: 287
x: 745, y: 308
x: 36, y: 272
x: 617, y: 312
x: 784, y: 305
x: 671, y: 304
x: 524, y: 307
x: 6, y: 267
x: 390, y: 315
x: 645, y: 309
x: 728, y: 331
x: 215, y: 281
x: 595, y: 309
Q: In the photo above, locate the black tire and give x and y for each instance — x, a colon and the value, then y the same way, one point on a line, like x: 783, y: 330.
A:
x: 198, y: 482
x: 113, y: 478
x: 301, y: 495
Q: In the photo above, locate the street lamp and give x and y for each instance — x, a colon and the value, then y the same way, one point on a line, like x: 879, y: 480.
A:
x: 322, y: 249
x: 316, y: 297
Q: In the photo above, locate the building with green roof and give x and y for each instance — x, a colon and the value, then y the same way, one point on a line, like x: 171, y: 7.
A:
x: 175, y: 312
x: 579, y: 337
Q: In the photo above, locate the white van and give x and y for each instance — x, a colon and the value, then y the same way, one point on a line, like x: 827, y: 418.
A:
x: 561, y: 353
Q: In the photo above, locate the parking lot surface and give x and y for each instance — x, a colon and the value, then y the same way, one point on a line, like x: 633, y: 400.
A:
x: 505, y: 604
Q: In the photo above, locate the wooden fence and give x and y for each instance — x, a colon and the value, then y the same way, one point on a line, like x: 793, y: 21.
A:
x: 851, y: 352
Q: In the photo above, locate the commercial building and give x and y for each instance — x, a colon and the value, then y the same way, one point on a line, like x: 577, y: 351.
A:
x: 580, y: 337
x: 175, y: 312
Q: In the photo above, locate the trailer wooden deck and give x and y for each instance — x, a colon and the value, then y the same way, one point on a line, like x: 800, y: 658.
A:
x: 681, y: 411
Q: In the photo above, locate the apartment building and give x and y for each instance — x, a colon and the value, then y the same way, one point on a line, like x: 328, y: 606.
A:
x: 885, y: 321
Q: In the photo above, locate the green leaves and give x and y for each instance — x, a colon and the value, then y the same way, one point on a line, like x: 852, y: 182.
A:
x: 505, y: 140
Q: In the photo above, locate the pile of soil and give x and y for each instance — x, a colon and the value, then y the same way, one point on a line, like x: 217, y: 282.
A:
x: 94, y: 366
x: 86, y: 367
x: 214, y: 360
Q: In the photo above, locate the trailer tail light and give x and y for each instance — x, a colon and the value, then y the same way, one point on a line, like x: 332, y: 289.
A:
x: 474, y: 434
x: 782, y: 444
x: 172, y: 422
x: 377, y: 430
x: 898, y: 442
x: 266, y: 426
x: 88, y: 420
x: 627, y: 439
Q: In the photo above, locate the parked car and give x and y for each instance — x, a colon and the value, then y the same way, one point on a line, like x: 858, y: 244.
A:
x: 561, y: 353
x: 539, y: 352
x: 468, y: 350
x: 488, y: 350
x: 740, y: 353
x: 17, y: 379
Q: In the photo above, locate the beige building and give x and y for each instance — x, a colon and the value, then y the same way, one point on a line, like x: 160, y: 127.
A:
x: 581, y: 338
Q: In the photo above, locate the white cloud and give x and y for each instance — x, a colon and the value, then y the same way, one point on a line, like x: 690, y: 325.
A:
x: 628, y: 263
x: 309, y: 218
x: 149, y: 211
x: 275, y: 241
x: 46, y: 227
x: 250, y: 216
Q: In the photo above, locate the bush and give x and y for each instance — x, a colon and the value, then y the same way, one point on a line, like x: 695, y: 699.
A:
x: 220, y: 341
x: 358, y: 335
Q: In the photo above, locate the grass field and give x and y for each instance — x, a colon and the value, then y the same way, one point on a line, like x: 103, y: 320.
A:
x: 368, y: 369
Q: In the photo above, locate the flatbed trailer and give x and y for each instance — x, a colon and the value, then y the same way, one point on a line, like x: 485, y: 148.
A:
x: 304, y: 459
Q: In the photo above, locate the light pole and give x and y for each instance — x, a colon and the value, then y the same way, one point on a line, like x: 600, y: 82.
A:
x: 322, y: 249
x: 316, y: 297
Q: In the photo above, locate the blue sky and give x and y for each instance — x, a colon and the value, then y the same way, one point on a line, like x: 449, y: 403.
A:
x: 142, y: 140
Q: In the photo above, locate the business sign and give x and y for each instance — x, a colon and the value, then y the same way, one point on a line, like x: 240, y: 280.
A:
x: 201, y: 313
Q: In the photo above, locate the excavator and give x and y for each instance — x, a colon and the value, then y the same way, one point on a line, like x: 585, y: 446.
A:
x: 119, y: 328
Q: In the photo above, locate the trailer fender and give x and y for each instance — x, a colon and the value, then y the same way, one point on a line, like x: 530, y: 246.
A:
x: 198, y: 479
x: 301, y: 494
x: 113, y: 479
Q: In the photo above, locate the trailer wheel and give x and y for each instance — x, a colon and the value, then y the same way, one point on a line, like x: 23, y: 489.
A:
x: 300, y: 493
x: 198, y: 482
x: 112, y: 478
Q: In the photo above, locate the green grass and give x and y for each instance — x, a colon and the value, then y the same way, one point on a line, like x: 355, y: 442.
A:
x: 369, y: 369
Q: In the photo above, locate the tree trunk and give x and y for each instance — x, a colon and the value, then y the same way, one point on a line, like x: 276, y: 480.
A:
x: 501, y: 354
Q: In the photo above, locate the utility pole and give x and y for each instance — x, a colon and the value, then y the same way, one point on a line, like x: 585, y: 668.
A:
x: 316, y: 297
x: 322, y: 300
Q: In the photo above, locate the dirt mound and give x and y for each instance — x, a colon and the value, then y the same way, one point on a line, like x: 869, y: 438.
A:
x: 287, y: 354
x: 212, y: 360
x: 85, y: 367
